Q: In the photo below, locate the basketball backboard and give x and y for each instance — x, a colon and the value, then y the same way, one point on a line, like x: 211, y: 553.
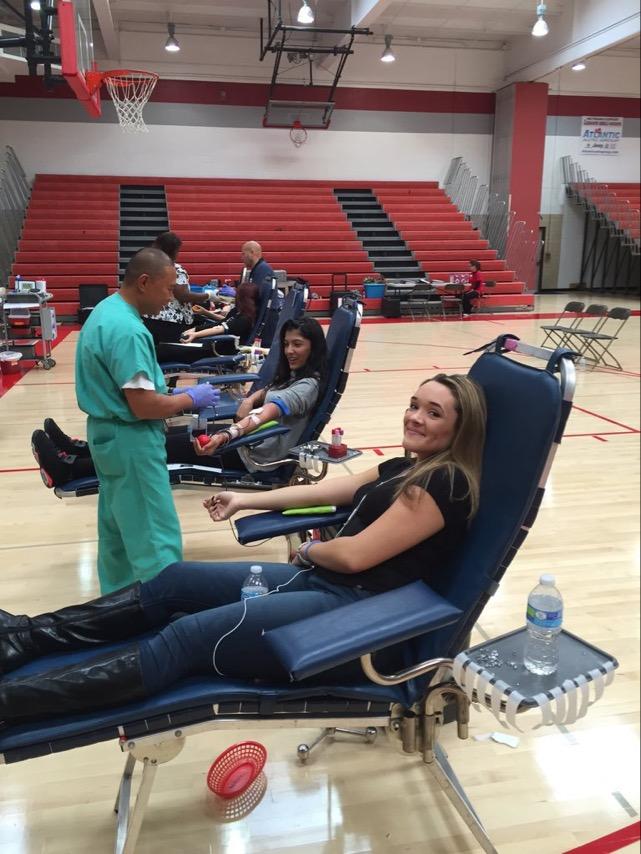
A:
x: 311, y: 114
x: 76, y: 52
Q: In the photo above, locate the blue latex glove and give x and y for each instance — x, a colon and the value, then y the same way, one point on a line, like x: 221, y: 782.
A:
x: 202, y: 396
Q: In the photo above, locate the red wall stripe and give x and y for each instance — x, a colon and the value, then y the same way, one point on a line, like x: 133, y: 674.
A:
x: 581, y: 105
x: 347, y: 98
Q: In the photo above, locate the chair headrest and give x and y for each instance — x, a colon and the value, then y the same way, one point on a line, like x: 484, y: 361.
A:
x: 342, y: 336
x: 524, y: 408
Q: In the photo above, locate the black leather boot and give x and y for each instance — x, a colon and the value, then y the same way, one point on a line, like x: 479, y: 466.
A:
x: 107, y: 680
x: 117, y: 616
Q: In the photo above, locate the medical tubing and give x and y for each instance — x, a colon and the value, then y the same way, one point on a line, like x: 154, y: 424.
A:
x: 242, y: 619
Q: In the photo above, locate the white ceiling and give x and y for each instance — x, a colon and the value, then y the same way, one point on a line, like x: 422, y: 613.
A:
x: 473, y: 20
x: 227, y: 30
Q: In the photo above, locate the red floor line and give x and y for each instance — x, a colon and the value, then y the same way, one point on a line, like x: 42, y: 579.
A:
x: 9, y: 471
x: 612, y: 842
x: 602, y: 433
x: 605, y: 418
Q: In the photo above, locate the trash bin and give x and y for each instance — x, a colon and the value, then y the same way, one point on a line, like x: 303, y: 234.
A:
x: 10, y: 362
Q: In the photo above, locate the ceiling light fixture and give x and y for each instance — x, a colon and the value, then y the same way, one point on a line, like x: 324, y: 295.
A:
x: 540, y: 27
x: 305, y: 14
x: 388, y: 53
x: 579, y: 66
x: 171, y: 44
x: 35, y: 5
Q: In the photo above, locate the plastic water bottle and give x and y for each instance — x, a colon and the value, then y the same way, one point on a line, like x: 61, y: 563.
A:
x: 254, y: 584
x: 17, y: 281
x: 544, y: 620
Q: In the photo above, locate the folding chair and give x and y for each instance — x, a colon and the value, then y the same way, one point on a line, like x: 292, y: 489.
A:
x: 556, y: 332
x: 596, y: 312
x: 452, y: 300
x: 418, y: 303
x: 595, y: 346
x: 527, y: 412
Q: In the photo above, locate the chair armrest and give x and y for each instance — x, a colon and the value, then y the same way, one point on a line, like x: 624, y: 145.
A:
x: 228, y: 379
x: 310, y: 646
x: 261, y: 526
x: 255, y: 438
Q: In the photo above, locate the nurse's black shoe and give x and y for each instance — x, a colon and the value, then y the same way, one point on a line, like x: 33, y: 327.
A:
x: 117, y: 616
x: 56, y: 466
x: 62, y: 441
x: 110, y: 679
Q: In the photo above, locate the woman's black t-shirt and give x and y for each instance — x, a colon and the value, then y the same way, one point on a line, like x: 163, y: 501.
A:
x: 238, y: 324
x: 427, y: 559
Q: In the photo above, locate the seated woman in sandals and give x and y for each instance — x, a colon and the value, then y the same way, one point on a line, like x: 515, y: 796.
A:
x: 410, y: 515
x: 290, y: 399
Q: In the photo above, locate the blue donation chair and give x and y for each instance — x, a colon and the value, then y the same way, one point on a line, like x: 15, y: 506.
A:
x: 220, y: 363
x: 426, y: 627
x: 342, y: 337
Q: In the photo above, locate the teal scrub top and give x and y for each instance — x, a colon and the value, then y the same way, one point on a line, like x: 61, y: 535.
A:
x: 113, y: 347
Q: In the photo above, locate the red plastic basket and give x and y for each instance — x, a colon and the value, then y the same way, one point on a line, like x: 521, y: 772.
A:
x: 236, y: 769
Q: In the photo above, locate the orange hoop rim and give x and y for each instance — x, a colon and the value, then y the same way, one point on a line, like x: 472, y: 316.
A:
x: 95, y: 79
x: 115, y: 76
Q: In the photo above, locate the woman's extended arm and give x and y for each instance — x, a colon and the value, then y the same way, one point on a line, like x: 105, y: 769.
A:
x: 406, y: 523
x: 339, y: 491
x: 191, y: 335
x: 251, y: 401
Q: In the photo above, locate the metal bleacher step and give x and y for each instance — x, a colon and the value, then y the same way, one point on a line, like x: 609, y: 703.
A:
x: 394, y: 253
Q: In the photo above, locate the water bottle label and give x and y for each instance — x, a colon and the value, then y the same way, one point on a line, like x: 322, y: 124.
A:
x: 251, y: 593
x: 544, y: 619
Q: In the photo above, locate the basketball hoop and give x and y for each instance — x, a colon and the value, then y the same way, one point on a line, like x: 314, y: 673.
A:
x: 297, y: 133
x: 130, y: 91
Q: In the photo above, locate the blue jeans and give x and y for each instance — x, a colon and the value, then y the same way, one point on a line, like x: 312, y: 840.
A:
x: 208, y: 595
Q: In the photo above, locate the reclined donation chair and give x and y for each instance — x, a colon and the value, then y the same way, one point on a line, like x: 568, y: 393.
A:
x: 424, y: 628
x: 220, y: 363
x: 342, y: 336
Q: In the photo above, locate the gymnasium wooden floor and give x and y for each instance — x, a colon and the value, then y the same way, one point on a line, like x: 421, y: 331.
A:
x: 557, y: 790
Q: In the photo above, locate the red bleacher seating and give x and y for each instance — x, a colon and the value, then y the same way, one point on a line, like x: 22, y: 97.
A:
x: 71, y: 233
x: 420, y: 214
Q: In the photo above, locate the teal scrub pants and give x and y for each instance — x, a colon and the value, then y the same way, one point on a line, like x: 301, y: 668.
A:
x: 138, y: 528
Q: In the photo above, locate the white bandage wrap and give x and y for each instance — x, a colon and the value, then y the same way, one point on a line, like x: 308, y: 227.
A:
x: 254, y: 418
x: 256, y: 411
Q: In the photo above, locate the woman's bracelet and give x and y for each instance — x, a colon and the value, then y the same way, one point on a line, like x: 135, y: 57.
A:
x: 303, y: 552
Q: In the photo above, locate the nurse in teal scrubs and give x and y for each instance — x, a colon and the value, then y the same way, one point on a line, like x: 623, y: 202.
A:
x: 121, y: 388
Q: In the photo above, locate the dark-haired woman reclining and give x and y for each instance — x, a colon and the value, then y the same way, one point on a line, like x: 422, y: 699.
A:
x: 290, y: 399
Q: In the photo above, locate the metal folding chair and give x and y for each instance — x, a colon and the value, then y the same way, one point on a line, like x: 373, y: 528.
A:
x: 595, y: 346
x: 556, y: 332
x: 596, y: 312
x: 418, y: 301
x: 452, y: 300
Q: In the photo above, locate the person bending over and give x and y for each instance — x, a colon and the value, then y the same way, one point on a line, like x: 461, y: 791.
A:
x: 290, y: 399
x: 410, y: 516
x: 178, y: 315
x: 472, y: 298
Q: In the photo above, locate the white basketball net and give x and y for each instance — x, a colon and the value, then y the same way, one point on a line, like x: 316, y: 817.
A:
x: 130, y: 91
x: 298, y: 134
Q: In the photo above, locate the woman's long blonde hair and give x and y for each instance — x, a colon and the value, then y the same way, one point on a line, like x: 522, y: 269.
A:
x: 466, y: 451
